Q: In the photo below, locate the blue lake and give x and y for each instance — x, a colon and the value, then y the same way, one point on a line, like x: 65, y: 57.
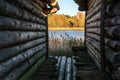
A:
x: 72, y: 33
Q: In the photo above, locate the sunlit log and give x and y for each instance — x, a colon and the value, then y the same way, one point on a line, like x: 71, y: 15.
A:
x: 8, y: 38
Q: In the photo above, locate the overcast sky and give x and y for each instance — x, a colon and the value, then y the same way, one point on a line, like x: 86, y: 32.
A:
x: 67, y: 7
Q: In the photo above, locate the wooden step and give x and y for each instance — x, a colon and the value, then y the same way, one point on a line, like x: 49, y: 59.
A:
x: 90, y: 75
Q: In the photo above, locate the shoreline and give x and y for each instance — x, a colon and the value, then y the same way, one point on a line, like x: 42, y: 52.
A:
x: 61, y: 29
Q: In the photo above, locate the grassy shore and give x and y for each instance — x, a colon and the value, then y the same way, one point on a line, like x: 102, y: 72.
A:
x: 62, y: 28
x: 61, y: 46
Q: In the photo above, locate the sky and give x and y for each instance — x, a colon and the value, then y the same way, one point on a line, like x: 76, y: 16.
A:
x: 68, y: 7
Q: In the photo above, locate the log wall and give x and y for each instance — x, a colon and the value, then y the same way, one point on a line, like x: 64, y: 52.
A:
x: 93, y: 30
x: 23, y: 38
x: 112, y: 37
x: 102, y: 33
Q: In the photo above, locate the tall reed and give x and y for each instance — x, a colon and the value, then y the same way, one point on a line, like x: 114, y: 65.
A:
x: 61, y: 46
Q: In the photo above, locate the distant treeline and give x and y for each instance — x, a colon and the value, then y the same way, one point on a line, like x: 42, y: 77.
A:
x: 66, y: 21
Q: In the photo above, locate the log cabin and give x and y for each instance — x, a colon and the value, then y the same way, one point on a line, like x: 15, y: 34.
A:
x: 24, y: 43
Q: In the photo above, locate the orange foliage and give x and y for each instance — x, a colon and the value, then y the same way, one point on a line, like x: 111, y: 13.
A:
x: 66, y: 21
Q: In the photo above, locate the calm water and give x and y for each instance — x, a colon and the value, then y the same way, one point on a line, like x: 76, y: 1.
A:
x: 73, y: 33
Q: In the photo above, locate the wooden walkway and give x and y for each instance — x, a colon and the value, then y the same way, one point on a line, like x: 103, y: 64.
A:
x: 79, y: 67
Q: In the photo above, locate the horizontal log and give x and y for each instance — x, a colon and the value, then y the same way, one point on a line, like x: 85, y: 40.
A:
x: 74, y: 69
x: 59, y: 61
x: 62, y: 68
x: 112, y: 56
x: 94, y: 51
x: 93, y: 11
x: 95, y: 57
x: 94, y: 5
x: 25, y: 66
x: 12, y: 63
x: 111, y: 1
x: 113, y: 32
x: 112, y: 21
x: 94, y: 36
x: 17, y: 25
x: 8, y: 38
x: 12, y: 51
x: 94, y: 43
x: 25, y: 4
x: 93, y: 30
x: 96, y: 17
x: 114, y: 44
x: 68, y: 69
x: 12, y: 11
x: 78, y: 48
x: 113, y: 9
x: 94, y: 25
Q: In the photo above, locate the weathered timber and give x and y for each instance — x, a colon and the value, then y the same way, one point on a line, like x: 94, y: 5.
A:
x: 24, y: 66
x: 116, y: 74
x: 95, y: 24
x: 8, y: 38
x: 15, y: 61
x: 78, y: 48
x: 93, y: 11
x: 112, y: 21
x: 96, y: 60
x: 10, y: 10
x: 59, y: 61
x: 12, y: 51
x: 90, y: 75
x: 93, y: 30
x: 62, y: 68
x: 18, y: 25
x: 113, y: 56
x: 96, y: 17
x: 114, y: 44
x: 95, y: 36
x: 113, y: 32
x: 113, y: 9
x: 68, y: 71
x: 96, y: 3
x: 74, y: 70
x: 25, y: 4
x: 94, y: 51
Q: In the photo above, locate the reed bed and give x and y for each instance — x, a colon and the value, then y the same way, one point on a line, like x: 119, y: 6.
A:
x: 61, y: 46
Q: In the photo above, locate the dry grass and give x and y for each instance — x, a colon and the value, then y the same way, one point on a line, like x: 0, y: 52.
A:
x: 59, y: 46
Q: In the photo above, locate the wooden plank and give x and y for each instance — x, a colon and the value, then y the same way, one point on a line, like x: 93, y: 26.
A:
x: 68, y: 72
x: 74, y: 69
x: 62, y: 68
x: 59, y: 61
